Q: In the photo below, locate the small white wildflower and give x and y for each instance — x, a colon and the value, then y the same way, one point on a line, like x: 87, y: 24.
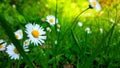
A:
x: 18, y: 34
x: 51, y: 20
x: 80, y: 24
x: 48, y: 29
x: 88, y: 30
x: 56, y: 42
x: 14, y: 6
x: 26, y: 45
x: 101, y: 30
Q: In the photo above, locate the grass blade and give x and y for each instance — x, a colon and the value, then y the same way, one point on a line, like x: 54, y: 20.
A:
x: 75, y: 38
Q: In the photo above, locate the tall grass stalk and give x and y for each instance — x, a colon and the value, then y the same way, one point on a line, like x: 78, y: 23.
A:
x: 75, y: 20
x: 54, y: 47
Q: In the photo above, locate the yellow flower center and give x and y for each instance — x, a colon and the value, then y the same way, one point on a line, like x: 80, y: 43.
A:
x: 16, y: 51
x: 1, y: 46
x: 94, y: 4
x: 51, y: 20
x: 17, y: 36
x: 26, y: 42
x: 35, y: 33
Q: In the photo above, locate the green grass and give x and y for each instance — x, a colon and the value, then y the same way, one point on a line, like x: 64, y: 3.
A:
x: 74, y: 46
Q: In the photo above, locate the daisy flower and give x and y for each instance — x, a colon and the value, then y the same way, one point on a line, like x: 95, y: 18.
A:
x: 2, y: 45
x: 26, y: 44
x: 35, y: 33
x: 18, y: 34
x: 80, y: 24
x: 51, y: 20
x: 88, y: 30
x: 94, y: 4
x: 13, y: 52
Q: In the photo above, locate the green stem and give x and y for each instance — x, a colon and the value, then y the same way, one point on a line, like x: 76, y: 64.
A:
x: 74, y: 22
x: 77, y: 17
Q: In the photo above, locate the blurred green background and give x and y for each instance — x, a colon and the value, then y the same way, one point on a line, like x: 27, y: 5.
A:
x: 82, y: 54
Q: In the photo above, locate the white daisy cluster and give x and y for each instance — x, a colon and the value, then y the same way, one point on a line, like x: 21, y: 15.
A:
x: 10, y: 49
x: 35, y: 35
